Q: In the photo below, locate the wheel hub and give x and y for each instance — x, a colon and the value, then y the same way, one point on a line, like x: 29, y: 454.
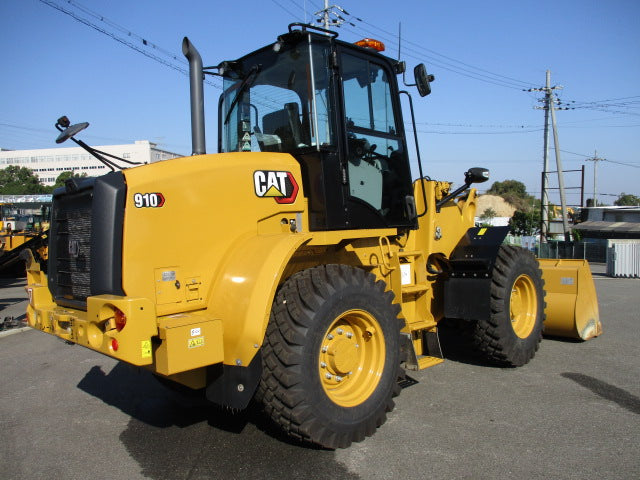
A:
x: 343, y: 355
x: 351, y: 359
x: 523, y: 306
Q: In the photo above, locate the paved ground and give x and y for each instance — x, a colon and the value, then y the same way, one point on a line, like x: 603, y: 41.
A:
x: 573, y: 412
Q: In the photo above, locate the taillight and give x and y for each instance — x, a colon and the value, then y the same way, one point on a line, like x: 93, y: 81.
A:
x: 121, y: 319
x: 114, y: 345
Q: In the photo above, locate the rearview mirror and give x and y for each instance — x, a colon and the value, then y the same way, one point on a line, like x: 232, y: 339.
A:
x: 476, y: 175
x: 423, y: 80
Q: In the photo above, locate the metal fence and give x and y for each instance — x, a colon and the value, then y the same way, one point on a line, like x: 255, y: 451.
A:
x: 35, y: 198
x: 592, y: 251
x: 623, y: 258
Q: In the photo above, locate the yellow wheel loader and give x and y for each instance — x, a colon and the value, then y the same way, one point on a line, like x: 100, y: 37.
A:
x: 322, y: 271
x: 23, y: 226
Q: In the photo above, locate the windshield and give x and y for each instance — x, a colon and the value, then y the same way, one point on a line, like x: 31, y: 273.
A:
x: 277, y: 101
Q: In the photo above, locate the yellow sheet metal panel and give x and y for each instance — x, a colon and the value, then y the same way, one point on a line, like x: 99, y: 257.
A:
x: 178, y: 219
x: 572, y: 303
x: 242, y: 294
x: 168, y: 286
x: 441, y: 231
x: 96, y: 328
x: 188, y: 342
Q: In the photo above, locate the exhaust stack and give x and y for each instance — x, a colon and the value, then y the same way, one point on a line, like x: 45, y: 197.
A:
x: 196, y: 77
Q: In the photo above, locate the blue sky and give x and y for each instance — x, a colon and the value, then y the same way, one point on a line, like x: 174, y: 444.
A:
x: 483, y: 55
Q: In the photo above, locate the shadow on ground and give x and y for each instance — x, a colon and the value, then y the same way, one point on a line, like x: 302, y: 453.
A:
x: 456, y: 345
x: 169, y: 440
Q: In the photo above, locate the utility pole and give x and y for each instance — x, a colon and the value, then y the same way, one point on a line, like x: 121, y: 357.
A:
x: 549, y: 107
x: 324, y: 19
x: 544, y: 206
x: 556, y: 142
x: 328, y: 16
x: 595, y: 159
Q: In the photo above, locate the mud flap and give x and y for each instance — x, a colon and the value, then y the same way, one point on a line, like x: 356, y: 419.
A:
x: 234, y: 386
x: 572, y: 304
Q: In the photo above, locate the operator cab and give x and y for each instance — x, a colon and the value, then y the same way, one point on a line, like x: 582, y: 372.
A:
x: 334, y: 106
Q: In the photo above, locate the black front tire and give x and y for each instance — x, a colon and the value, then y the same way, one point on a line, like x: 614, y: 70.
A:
x: 511, y: 335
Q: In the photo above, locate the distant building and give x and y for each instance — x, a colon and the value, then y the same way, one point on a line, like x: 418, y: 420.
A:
x: 48, y: 163
x: 610, y: 222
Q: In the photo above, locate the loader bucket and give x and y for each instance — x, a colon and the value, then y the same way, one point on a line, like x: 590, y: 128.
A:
x: 572, y: 304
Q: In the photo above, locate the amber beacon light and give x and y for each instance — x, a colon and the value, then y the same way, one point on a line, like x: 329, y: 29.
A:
x: 376, y: 45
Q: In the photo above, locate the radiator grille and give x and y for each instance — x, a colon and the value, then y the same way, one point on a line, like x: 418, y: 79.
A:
x: 72, y: 226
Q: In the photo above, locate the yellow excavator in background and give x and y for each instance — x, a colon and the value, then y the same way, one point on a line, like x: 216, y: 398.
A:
x: 322, y: 271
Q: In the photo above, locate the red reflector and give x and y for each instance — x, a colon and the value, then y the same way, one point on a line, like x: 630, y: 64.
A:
x: 114, y: 344
x: 121, y: 319
x: 376, y: 45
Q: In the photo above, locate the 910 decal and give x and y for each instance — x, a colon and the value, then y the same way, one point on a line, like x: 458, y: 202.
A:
x: 148, y: 200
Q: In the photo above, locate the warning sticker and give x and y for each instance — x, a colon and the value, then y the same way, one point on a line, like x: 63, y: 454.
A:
x: 195, y: 342
x: 145, y: 347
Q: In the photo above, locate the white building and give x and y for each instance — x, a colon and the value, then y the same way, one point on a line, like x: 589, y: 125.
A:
x: 48, y: 163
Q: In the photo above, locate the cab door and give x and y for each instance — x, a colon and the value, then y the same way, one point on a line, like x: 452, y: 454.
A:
x: 376, y: 162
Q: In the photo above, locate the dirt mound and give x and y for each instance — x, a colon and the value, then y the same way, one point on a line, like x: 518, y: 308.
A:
x: 496, y: 203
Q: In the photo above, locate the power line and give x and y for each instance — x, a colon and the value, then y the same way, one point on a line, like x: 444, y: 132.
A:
x: 420, y: 56
x: 286, y: 9
x: 589, y: 157
x: 440, y: 132
x: 418, y: 53
x: 126, y: 31
x: 472, y: 67
x: 123, y: 41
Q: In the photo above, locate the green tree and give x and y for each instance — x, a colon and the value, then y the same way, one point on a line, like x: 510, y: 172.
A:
x: 515, y: 193
x: 508, y: 186
x: 525, y: 223
x: 488, y: 215
x: 16, y: 180
x: 64, y: 176
x: 626, y: 199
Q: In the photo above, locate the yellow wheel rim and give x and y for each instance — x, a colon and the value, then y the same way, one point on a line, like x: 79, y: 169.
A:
x: 523, y: 306
x: 352, y: 356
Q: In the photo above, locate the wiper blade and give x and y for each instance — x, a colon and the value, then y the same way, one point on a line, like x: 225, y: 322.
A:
x: 246, y: 83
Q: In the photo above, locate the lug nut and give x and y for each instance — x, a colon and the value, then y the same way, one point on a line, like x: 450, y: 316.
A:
x: 330, y: 337
x: 328, y: 376
x: 323, y: 365
x: 340, y: 331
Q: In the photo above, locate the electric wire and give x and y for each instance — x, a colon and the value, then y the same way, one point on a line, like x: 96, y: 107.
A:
x: 418, y: 52
x: 388, y: 35
x: 123, y: 41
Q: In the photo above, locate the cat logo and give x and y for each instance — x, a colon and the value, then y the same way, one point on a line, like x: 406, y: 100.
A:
x: 281, y: 186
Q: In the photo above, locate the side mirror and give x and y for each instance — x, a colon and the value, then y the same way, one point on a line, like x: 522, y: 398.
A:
x: 473, y: 175
x: 476, y: 175
x: 70, y: 131
x: 67, y: 130
x: 423, y: 80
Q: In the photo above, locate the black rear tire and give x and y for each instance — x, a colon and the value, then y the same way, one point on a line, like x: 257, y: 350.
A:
x: 331, y: 356
x: 512, y: 334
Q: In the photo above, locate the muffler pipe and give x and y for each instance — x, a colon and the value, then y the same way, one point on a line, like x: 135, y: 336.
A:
x: 196, y: 80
